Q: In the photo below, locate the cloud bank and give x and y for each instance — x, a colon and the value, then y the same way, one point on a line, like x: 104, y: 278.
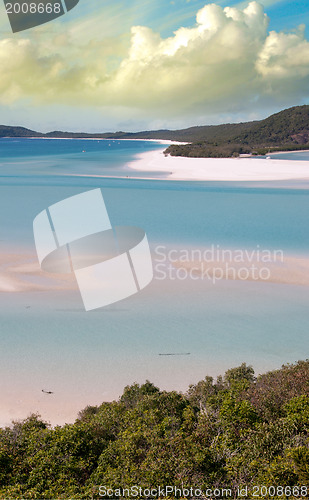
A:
x: 228, y: 61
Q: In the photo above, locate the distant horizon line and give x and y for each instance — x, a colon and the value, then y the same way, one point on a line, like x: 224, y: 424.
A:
x: 154, y: 130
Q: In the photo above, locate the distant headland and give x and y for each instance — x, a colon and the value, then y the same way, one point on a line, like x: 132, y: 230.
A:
x: 287, y: 130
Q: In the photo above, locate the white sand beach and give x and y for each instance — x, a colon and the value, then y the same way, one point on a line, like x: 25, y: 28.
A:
x: 220, y: 169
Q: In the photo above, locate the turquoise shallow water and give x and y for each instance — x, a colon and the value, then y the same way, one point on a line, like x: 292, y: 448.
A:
x: 45, y: 158
x: 180, y: 212
x: 293, y: 155
x: 48, y: 341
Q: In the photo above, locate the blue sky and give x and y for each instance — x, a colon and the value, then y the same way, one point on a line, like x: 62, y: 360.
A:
x: 136, y: 64
x: 166, y: 16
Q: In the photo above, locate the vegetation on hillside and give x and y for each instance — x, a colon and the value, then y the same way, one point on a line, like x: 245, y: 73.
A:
x: 6, y: 131
x: 210, y: 132
x: 238, y: 431
x: 284, y: 131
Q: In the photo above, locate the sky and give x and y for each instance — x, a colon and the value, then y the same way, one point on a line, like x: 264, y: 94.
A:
x: 133, y: 65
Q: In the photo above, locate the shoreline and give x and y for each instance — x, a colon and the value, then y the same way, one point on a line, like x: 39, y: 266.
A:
x: 218, y: 169
x: 159, y: 141
x: 178, y: 168
x: 288, y: 152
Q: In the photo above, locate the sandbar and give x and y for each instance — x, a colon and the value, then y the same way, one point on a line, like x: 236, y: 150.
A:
x: 219, y: 169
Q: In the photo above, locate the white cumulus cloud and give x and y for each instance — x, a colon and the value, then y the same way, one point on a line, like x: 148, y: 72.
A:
x: 227, y: 61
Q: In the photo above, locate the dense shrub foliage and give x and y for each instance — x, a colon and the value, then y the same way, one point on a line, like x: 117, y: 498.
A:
x: 234, y: 432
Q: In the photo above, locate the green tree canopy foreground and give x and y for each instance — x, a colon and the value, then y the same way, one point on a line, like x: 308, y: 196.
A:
x: 234, y: 432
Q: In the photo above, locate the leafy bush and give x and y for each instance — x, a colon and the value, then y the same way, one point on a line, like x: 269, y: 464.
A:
x: 233, y: 432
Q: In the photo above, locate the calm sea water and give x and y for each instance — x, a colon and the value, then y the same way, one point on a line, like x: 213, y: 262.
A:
x: 295, y: 155
x: 48, y: 341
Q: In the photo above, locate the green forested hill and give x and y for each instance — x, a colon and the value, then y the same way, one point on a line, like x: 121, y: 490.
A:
x: 286, y: 130
x: 6, y: 131
x: 288, y: 126
x: 211, y: 132
x: 236, y: 432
